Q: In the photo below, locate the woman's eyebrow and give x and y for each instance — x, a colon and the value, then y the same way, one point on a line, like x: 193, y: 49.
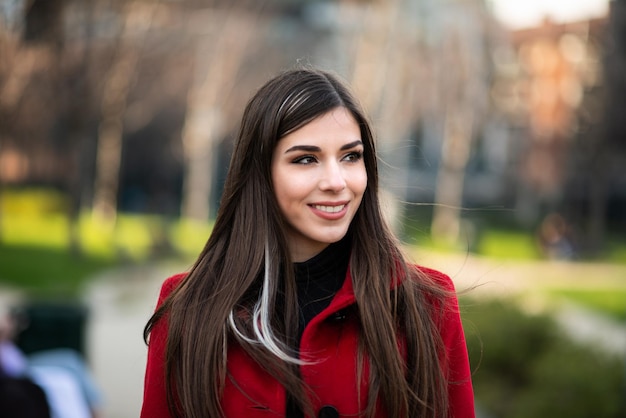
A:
x: 351, y: 145
x: 313, y: 148
x: 307, y: 148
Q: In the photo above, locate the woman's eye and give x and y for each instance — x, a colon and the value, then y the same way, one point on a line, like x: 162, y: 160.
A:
x: 305, y: 159
x: 353, y: 156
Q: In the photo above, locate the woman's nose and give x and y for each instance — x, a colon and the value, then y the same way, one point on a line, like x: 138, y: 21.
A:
x: 333, y: 178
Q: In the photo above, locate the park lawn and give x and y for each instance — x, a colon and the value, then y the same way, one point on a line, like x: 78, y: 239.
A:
x: 616, y: 251
x: 519, y: 245
x: 37, y: 254
x: 508, y: 244
x: 497, y: 243
x: 44, y: 271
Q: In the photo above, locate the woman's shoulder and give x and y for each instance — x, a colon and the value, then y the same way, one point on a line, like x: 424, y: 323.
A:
x: 439, y: 278
x: 169, y: 285
x: 440, y: 294
x: 438, y: 287
x: 173, y: 281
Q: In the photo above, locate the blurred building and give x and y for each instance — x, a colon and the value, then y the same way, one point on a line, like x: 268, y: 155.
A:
x: 559, y: 91
x: 568, y: 95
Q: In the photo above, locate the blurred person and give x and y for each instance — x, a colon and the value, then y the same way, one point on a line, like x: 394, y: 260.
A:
x: 302, y: 303
x: 60, y: 374
x: 20, y: 397
x: 555, y: 238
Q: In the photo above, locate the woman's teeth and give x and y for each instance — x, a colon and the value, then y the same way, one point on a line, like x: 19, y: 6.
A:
x: 329, y: 209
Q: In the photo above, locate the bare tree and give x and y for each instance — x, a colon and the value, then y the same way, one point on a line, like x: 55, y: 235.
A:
x: 220, y: 52
x: 458, y: 131
x: 138, y: 18
x: 459, y: 65
x: 29, y: 43
x: 12, y: 82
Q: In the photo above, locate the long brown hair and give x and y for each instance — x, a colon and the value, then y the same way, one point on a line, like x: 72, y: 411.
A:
x: 224, y: 297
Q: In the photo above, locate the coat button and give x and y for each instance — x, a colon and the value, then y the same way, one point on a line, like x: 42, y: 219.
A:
x: 339, y: 315
x: 328, y: 411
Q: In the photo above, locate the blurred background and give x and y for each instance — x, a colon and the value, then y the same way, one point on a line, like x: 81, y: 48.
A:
x: 501, y: 126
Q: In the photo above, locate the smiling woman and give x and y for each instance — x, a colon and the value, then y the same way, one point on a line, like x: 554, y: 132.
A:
x: 319, y: 178
x: 301, y: 303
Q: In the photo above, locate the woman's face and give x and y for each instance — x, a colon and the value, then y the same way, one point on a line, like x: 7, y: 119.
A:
x: 319, y: 178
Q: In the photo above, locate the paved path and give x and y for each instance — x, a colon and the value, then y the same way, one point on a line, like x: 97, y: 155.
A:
x: 588, y: 327
x: 121, y: 301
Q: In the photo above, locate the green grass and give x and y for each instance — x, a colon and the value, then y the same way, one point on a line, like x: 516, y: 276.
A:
x: 36, y: 251
x: 616, y: 252
x: 131, y: 235
x: 524, y: 366
x: 43, y: 253
x: 48, y: 272
x: 508, y: 244
x: 493, y: 243
x: 32, y: 201
x: 611, y: 302
x: 489, y: 234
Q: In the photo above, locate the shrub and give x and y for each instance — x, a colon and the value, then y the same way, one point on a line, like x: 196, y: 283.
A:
x: 572, y: 381
x: 524, y: 367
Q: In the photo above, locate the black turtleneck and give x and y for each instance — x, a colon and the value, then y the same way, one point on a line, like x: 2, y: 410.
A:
x: 319, y: 278
x: 317, y: 281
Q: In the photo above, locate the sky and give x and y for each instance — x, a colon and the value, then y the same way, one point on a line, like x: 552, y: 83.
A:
x: 518, y: 14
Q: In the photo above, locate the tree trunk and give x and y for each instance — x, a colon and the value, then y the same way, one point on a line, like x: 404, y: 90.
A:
x: 215, y: 75
x: 110, y: 132
x: 79, y: 88
x: 446, y: 224
x: 459, y: 67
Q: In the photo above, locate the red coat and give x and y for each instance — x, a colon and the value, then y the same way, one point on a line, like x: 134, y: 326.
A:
x: 334, y: 337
